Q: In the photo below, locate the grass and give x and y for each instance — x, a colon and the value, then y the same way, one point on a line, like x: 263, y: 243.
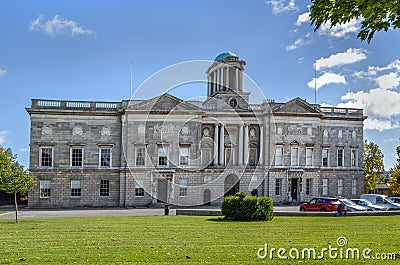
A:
x: 188, y: 239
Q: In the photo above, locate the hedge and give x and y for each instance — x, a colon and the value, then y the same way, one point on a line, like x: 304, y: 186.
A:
x: 247, y: 208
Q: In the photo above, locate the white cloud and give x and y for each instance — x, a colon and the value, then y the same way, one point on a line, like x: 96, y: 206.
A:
x: 340, y: 31
x: 303, y: 18
x: 3, y: 72
x: 380, y: 125
x: 3, y: 137
x: 326, y: 79
x: 24, y: 150
x: 388, y: 81
x: 57, y: 26
x: 348, y: 57
x: 299, y: 42
x: 281, y: 6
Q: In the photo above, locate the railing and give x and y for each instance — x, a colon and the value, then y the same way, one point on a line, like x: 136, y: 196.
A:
x: 79, y: 105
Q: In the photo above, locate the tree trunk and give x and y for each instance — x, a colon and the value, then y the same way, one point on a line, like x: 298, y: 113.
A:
x: 16, y: 207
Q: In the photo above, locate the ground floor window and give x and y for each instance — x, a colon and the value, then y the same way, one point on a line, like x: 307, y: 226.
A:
x: 104, y: 188
x: 183, y: 188
x: 340, y: 187
x: 325, y: 187
x: 45, y: 188
x: 278, y: 187
x: 76, y: 188
x: 308, y: 186
x: 139, y: 191
x: 354, y: 186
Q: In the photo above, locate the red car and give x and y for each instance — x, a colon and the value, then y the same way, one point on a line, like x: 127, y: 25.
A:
x: 320, y: 205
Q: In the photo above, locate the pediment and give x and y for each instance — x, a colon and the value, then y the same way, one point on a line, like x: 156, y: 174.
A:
x: 296, y: 105
x: 165, y: 102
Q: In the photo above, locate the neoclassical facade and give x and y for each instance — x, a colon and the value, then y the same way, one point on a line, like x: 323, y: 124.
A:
x: 167, y: 150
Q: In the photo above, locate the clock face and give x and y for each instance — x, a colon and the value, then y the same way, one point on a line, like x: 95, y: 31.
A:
x: 233, y: 102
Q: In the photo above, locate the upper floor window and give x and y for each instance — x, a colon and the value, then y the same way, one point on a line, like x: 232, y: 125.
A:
x: 340, y: 157
x: 294, y: 156
x: 76, y: 157
x: 325, y: 157
x: 309, y: 156
x: 184, y: 155
x: 46, y: 157
x: 163, y: 156
x: 105, y: 157
x: 353, y: 157
x: 140, y: 157
x: 279, y: 156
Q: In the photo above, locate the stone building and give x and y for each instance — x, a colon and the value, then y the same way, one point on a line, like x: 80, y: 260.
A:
x: 167, y: 150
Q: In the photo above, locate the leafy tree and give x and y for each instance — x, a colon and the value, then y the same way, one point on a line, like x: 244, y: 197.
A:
x: 373, y: 166
x: 394, y: 181
x: 375, y: 15
x: 13, y: 178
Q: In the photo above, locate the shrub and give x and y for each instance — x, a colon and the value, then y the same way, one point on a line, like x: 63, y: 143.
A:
x: 247, y: 208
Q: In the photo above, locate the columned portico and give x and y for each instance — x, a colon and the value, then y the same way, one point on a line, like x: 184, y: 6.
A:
x: 240, y: 151
x: 246, y: 145
x: 221, y: 144
x: 216, y: 140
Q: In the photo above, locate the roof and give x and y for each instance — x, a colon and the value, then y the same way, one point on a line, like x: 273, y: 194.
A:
x: 224, y: 56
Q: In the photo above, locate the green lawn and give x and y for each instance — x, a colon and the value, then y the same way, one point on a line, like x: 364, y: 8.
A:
x: 187, y: 239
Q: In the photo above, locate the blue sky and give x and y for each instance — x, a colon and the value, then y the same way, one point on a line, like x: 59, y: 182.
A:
x: 81, y: 50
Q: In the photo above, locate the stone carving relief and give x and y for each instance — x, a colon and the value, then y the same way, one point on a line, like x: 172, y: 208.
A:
x: 47, y: 130
x: 309, y: 131
x: 206, y: 132
x: 105, y: 131
x: 77, y: 131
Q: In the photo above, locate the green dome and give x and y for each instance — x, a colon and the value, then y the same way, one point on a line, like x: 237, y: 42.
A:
x: 224, y: 56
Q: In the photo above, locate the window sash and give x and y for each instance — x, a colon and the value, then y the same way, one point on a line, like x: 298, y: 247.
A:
x: 354, y: 186
x: 163, y: 156
x: 340, y: 187
x: 325, y: 157
x: 46, y: 157
x: 279, y: 156
x: 340, y: 157
x: 183, y: 184
x: 294, y: 156
x: 308, y: 186
x: 45, y: 188
x: 105, y: 157
x: 309, y: 157
x: 325, y: 187
x: 140, y: 156
x: 278, y: 187
x: 184, y: 156
x: 104, y: 188
x: 353, y: 158
x: 76, y: 157
x: 76, y: 188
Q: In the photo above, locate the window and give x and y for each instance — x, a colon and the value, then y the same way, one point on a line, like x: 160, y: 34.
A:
x: 294, y: 156
x: 163, y: 156
x: 76, y: 157
x: 309, y: 156
x: 183, y: 187
x: 340, y: 187
x: 184, y: 155
x: 139, y: 191
x: 353, y: 158
x: 46, y: 157
x: 279, y: 156
x: 75, y: 188
x: 340, y: 157
x: 308, y: 186
x: 140, y: 160
x: 325, y: 187
x: 354, y: 186
x: 278, y: 187
x: 253, y: 156
x: 104, y: 188
x: 325, y: 157
x: 45, y: 188
x: 105, y: 157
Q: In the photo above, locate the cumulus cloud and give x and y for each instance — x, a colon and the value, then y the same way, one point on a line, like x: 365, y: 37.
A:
x: 388, y: 81
x: 57, y: 26
x: 281, y: 6
x: 299, y: 42
x: 3, y: 137
x: 3, y: 72
x: 326, y: 79
x: 348, y: 57
x: 303, y: 18
x: 340, y: 31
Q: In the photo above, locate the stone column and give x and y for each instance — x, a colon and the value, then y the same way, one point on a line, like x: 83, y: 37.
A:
x: 246, y: 145
x: 221, y: 83
x: 227, y: 78
x: 237, y: 72
x: 240, y: 87
x: 214, y: 82
x: 240, y: 151
x: 216, y: 157
x: 221, y: 145
x: 261, y: 157
x: 217, y: 77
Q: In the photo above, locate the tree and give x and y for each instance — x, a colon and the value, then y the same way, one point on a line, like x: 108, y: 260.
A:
x: 375, y: 15
x: 394, y: 181
x: 373, y: 166
x: 13, y: 178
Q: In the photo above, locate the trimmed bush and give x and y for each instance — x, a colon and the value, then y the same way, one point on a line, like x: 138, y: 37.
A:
x: 247, y: 208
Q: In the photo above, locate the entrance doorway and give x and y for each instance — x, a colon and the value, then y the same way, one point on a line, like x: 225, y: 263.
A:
x: 207, y: 197
x: 162, y: 190
x: 231, y: 185
x: 294, y: 183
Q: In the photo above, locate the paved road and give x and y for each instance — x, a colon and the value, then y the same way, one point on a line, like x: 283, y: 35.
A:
x: 103, y: 212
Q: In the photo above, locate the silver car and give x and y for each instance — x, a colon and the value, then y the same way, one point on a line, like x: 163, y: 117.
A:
x: 352, y: 207
x: 369, y: 205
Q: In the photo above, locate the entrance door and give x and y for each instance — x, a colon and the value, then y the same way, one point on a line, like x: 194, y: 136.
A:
x: 294, y: 189
x: 207, y: 197
x: 162, y: 189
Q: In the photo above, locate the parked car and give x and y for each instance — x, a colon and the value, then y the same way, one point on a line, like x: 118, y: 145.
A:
x: 369, y: 205
x: 352, y: 207
x: 381, y: 200
x: 320, y: 205
x: 395, y: 199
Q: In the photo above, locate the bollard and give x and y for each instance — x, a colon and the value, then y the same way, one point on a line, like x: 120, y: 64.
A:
x: 166, y: 209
